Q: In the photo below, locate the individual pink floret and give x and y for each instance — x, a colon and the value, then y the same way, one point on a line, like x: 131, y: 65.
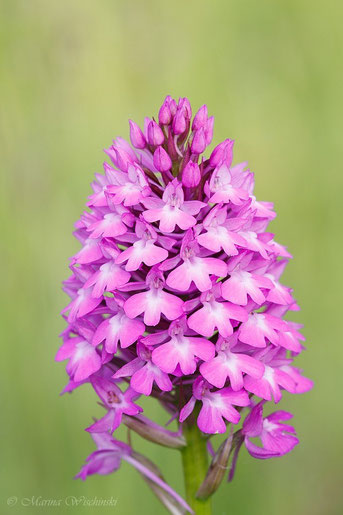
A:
x: 276, y: 437
x: 182, y: 351
x: 195, y: 268
x: 216, y: 315
x: 221, y: 232
x: 154, y: 302
x: 216, y: 406
x: 230, y: 365
x: 172, y: 210
x: 144, y: 373
x: 116, y: 402
x: 118, y: 328
x: 143, y: 249
x: 84, y: 360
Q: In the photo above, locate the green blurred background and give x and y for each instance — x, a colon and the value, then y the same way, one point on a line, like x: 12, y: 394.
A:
x: 72, y: 73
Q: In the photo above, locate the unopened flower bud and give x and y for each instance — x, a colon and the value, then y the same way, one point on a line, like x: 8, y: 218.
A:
x: 172, y: 106
x: 191, y: 175
x: 222, y: 153
x: 136, y: 135
x: 179, y: 122
x: 200, y: 118
x: 185, y: 105
x: 199, y: 142
x: 165, y: 114
x: 121, y: 158
x: 216, y: 470
x: 209, y: 130
x: 155, y: 134
x: 162, y: 161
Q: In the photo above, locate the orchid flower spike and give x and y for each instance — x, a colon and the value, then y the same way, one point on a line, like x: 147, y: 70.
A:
x: 176, y: 295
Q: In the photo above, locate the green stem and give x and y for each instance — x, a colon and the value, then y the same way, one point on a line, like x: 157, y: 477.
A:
x: 175, y: 168
x: 195, y: 465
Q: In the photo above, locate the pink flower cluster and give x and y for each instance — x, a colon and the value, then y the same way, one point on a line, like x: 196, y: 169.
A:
x: 176, y: 290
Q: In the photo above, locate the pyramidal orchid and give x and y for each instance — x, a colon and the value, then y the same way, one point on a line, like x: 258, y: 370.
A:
x: 175, y: 294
